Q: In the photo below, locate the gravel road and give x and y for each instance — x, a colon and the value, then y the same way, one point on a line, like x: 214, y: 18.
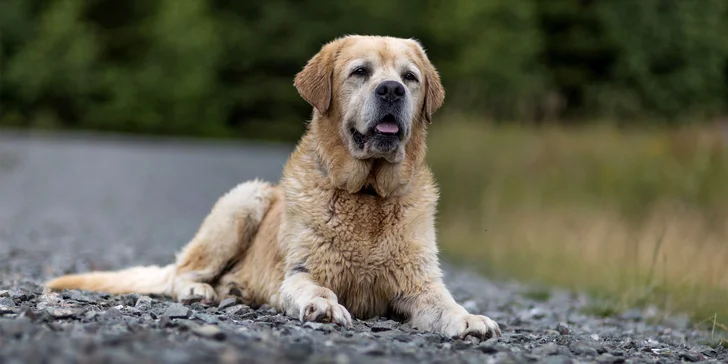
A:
x: 70, y: 204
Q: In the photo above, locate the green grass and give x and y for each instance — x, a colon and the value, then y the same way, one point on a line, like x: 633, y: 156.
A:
x: 637, y: 216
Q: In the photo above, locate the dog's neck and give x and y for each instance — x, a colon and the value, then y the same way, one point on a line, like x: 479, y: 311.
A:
x: 334, y: 162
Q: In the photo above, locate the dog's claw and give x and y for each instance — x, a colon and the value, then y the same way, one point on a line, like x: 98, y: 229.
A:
x: 326, y: 311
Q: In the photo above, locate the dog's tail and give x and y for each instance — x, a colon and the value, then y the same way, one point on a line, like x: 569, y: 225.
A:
x: 142, y: 279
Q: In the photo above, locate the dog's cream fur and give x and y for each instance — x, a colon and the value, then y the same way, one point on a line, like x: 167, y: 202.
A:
x: 347, y: 232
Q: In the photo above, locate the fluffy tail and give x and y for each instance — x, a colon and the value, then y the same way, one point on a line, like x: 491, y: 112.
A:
x: 144, y: 280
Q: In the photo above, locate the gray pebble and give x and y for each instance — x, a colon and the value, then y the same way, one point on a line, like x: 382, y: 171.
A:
x: 228, y: 302
x: 547, y: 349
x: 177, y: 310
x: 143, y: 302
x: 562, y: 328
x: 19, y: 295
x: 207, y: 318
x: 706, y: 350
x: 80, y: 297
x: 130, y: 299
x: 113, y: 314
x: 609, y: 359
x: 584, y: 349
x: 384, y: 326
x: 237, y: 310
x: 7, y: 302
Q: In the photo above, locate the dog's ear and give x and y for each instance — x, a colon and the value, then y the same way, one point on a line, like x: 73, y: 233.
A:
x: 434, y: 91
x: 314, y: 81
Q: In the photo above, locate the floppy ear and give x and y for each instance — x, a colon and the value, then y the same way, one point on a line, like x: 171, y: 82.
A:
x: 434, y: 91
x: 314, y: 81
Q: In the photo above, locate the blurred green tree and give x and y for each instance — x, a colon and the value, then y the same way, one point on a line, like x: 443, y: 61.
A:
x: 225, y: 68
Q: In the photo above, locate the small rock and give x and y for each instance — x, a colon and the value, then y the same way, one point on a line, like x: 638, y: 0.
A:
x: 209, y: 331
x: 60, y: 313
x: 488, y: 348
x: 210, y: 319
x: 583, y: 349
x: 547, y: 349
x: 6, y: 309
x: 130, y: 299
x: 165, y: 321
x: 177, y: 311
x: 19, y: 295
x: 7, y: 302
x: 4, y: 293
x: 113, y: 314
x: 228, y: 302
x: 80, y: 297
x: 198, y: 306
x: 562, y: 328
x: 609, y: 359
x: 384, y: 326
x: 313, y: 325
x: 692, y: 357
x: 90, y: 315
x: 705, y: 350
x: 237, y: 310
x: 143, y: 302
x: 27, y: 313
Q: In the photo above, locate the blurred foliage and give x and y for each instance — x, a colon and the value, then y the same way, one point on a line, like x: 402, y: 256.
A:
x: 224, y: 67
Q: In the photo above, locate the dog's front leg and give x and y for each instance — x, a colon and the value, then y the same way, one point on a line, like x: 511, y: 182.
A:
x: 303, y: 298
x: 432, y: 308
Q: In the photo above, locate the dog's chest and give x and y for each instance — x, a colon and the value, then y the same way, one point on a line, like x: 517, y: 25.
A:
x: 366, y: 230
x: 365, y: 248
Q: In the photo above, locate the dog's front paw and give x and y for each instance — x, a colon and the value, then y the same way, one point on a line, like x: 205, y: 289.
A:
x: 320, y: 309
x: 189, y: 291
x: 481, y: 327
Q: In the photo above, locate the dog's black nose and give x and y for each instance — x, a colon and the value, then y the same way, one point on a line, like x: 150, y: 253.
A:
x: 390, y: 90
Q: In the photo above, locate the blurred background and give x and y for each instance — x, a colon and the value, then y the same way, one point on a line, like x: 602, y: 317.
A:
x: 582, y: 144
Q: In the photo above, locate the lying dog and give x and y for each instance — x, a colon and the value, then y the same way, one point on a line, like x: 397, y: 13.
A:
x: 350, y: 228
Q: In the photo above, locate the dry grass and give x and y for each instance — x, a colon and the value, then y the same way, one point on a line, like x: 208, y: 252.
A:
x: 640, y: 217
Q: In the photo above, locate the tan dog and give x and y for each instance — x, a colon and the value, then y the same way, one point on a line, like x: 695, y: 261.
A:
x: 350, y: 228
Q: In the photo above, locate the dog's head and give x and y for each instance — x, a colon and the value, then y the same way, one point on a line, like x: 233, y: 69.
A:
x: 376, y: 89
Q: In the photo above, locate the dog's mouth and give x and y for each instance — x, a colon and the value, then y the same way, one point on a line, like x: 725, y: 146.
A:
x: 385, y: 129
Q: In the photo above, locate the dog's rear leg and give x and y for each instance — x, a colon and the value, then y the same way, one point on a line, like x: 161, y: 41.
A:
x: 223, y: 237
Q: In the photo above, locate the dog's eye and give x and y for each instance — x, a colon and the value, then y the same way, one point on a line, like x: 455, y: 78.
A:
x: 409, y: 76
x: 359, y: 71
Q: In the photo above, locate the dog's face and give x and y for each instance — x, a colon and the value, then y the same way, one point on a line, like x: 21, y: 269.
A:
x: 377, y: 89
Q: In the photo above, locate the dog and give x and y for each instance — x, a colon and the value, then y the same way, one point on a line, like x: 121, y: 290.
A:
x: 349, y: 230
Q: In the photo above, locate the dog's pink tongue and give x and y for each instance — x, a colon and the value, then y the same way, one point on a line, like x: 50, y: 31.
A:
x: 387, y: 128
